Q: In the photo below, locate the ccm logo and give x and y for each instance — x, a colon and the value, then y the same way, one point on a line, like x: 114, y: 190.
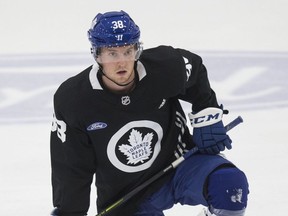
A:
x: 204, y: 120
x: 207, y: 118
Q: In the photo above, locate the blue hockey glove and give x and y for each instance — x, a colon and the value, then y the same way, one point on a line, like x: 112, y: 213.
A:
x: 209, y: 133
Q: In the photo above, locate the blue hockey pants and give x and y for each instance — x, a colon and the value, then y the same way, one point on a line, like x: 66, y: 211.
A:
x: 210, y: 180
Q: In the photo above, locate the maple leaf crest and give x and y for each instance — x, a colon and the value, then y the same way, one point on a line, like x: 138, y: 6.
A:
x: 138, y: 149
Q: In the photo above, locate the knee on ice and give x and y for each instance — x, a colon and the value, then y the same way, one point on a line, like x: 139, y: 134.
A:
x: 227, y: 191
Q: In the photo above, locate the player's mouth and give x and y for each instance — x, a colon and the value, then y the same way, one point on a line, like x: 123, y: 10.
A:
x: 122, y: 72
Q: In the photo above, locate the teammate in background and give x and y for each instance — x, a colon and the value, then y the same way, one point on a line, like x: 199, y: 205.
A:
x: 121, y: 119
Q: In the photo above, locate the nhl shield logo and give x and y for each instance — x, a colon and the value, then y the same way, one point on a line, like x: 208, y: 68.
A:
x: 125, y: 100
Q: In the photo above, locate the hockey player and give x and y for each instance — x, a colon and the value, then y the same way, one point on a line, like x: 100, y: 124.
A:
x: 121, y: 120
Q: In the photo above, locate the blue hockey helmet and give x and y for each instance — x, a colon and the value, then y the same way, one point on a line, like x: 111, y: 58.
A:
x: 113, y: 29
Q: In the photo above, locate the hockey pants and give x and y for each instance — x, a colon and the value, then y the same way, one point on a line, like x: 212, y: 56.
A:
x: 209, y: 180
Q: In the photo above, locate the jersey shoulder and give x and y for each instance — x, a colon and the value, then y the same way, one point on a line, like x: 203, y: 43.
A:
x: 75, y: 82
x: 169, y: 68
x: 73, y: 89
x: 170, y: 54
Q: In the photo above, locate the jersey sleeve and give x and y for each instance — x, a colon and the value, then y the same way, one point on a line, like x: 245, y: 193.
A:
x: 197, y: 90
x: 72, y: 162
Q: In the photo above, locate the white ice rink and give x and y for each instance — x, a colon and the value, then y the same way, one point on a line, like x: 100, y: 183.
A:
x: 243, y: 44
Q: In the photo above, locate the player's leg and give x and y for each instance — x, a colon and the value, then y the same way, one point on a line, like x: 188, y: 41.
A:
x: 185, y: 187
x: 210, y: 180
x: 227, y: 191
x: 223, y: 188
x: 158, y: 202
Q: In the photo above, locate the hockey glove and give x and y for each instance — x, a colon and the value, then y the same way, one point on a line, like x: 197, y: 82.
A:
x: 209, y: 133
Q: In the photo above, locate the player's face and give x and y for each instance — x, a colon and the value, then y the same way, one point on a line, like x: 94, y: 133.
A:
x: 118, y: 63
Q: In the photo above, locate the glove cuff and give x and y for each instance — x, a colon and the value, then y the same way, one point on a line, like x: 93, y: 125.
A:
x: 208, y: 116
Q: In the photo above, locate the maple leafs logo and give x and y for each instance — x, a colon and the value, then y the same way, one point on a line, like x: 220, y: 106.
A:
x: 138, y: 149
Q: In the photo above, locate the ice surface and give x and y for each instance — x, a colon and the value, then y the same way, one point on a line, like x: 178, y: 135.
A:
x: 243, y: 44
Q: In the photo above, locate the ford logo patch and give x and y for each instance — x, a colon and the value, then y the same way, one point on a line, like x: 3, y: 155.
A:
x: 96, y: 126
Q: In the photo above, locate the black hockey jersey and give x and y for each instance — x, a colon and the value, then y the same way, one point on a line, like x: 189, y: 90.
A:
x: 123, y: 138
